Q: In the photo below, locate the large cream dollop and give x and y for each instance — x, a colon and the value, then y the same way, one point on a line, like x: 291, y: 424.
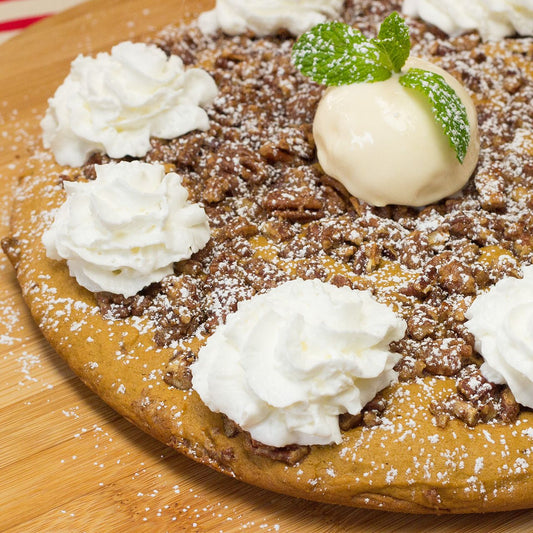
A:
x: 264, y: 17
x: 114, y: 102
x: 381, y: 141
x: 125, y: 229
x: 290, y: 360
x: 501, y: 321
x: 493, y: 19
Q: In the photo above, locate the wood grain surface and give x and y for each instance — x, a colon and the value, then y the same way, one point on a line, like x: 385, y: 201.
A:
x: 67, y: 461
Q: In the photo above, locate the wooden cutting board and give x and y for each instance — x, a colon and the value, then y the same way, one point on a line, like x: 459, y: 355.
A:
x: 67, y: 461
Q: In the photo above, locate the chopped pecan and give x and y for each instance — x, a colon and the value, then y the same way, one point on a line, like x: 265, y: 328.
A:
x: 409, y: 368
x: 262, y: 275
x: 419, y: 288
x: 290, y: 146
x: 231, y: 429
x: 89, y: 170
x: 422, y: 323
x: 188, y: 150
x: 523, y: 247
x: 413, y: 249
x: 278, y: 230
x: 177, y: 312
x: 441, y: 414
x: 295, y: 196
x: 291, y: 454
x: 465, y: 411
x: 217, y: 187
x: 295, y: 205
x: 300, y: 248
x: 509, y: 407
x: 491, y: 189
x: 190, y: 267
x: 301, y: 105
x: 446, y: 356
x: 452, y: 274
x: 477, y: 401
x: 348, y: 421
x: 178, y: 372
x: 341, y: 281
x: 513, y: 80
x: 373, y: 410
x: 238, y: 226
x: 505, y: 266
x: 474, y: 387
x: 118, y: 306
x: 311, y: 270
x: 367, y: 258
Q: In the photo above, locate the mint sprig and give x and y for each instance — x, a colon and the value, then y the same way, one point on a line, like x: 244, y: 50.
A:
x: 335, y: 54
x: 447, y: 108
x: 393, y: 39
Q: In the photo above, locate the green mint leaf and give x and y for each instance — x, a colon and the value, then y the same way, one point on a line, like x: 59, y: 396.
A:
x: 447, y: 107
x: 394, y: 41
x: 334, y: 53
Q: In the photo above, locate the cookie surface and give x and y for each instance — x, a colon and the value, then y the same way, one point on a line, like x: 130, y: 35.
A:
x: 124, y: 350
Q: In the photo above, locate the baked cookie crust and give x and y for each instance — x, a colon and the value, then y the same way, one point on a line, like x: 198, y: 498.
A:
x: 415, y: 452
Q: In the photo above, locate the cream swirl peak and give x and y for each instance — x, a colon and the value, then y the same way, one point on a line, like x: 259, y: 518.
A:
x: 290, y: 360
x: 125, y: 229
x: 502, y: 322
x: 264, y: 17
x: 115, y: 102
x: 494, y: 19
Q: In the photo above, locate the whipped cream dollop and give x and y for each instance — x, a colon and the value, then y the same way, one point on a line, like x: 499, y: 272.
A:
x: 265, y: 17
x: 114, y: 102
x: 493, y: 19
x: 125, y: 229
x: 501, y: 320
x: 290, y: 360
x: 381, y: 141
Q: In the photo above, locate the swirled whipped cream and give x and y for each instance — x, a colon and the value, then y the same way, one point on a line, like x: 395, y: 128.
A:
x: 264, y: 17
x: 290, y: 360
x: 502, y: 322
x: 493, y: 19
x: 125, y: 229
x: 114, y: 102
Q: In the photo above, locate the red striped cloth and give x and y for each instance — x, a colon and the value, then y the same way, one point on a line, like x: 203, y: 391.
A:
x: 19, y: 24
x: 16, y: 15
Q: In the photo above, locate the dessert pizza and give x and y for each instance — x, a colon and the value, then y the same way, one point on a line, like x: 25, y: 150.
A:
x: 293, y: 240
